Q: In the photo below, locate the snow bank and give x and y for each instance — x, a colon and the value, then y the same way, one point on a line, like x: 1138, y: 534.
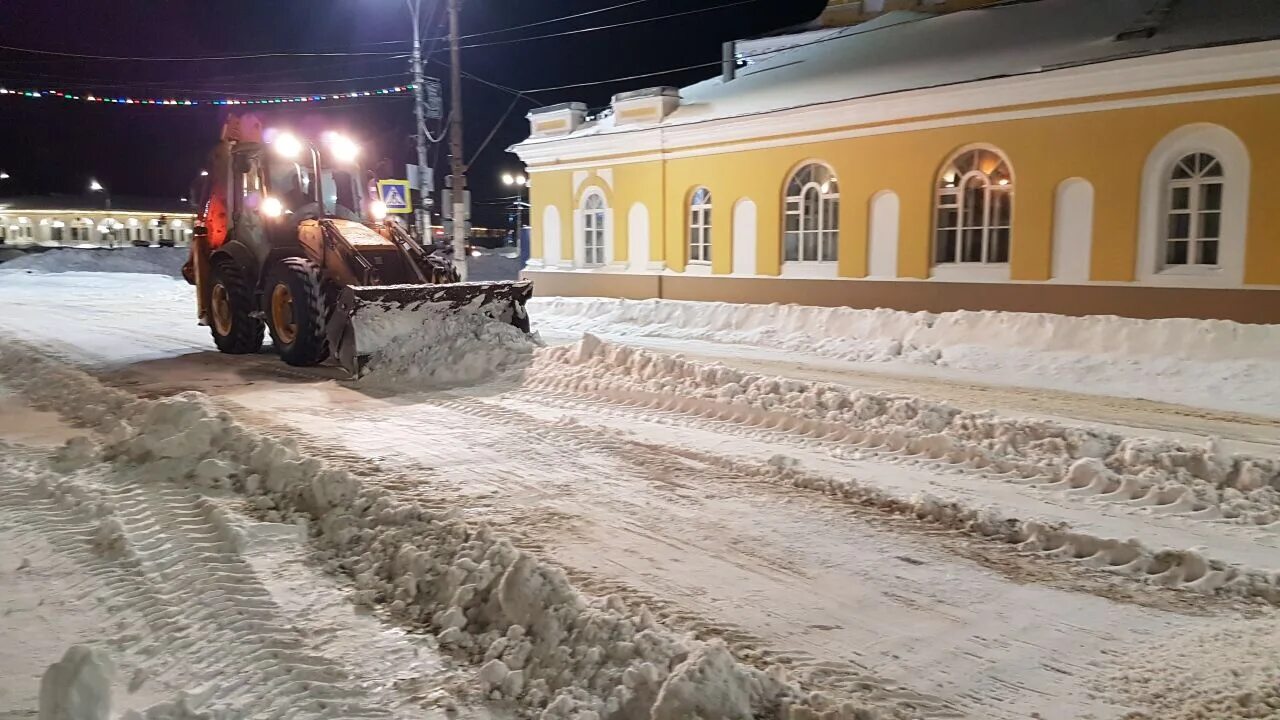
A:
x: 1215, y: 362
x: 1202, y: 483
x: 536, y: 638
x: 432, y: 346
x: 147, y: 260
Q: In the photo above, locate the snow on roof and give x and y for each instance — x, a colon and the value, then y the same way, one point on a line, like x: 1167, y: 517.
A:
x: 902, y: 51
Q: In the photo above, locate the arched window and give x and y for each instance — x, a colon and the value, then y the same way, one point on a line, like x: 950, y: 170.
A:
x: 593, y: 229
x: 813, y: 215
x: 974, y: 209
x: 700, y: 226
x: 1194, y: 212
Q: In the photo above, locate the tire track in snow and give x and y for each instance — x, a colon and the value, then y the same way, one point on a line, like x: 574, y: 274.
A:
x: 199, y: 616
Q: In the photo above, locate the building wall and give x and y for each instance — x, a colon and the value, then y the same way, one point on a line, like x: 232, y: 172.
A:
x: 1109, y: 149
x: 98, y: 228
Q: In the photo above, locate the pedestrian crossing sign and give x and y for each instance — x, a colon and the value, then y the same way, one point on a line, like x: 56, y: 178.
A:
x: 395, y: 194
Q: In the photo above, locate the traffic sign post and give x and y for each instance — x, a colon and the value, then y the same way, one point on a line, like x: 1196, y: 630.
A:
x: 395, y: 194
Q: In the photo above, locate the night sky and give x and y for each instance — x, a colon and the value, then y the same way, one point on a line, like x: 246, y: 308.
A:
x: 55, y: 146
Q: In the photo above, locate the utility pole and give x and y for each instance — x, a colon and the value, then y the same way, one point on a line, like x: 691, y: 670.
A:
x: 422, y: 217
x: 458, y: 169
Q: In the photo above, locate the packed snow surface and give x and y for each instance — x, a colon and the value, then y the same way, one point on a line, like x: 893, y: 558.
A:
x: 537, y: 639
x: 1212, y: 363
x: 146, y: 260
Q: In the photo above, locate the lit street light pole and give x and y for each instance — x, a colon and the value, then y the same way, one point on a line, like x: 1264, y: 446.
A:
x: 523, y: 183
x: 4, y: 175
x: 95, y: 186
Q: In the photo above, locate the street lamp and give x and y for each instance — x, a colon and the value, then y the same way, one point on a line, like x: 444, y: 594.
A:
x: 521, y: 182
x: 4, y: 175
x: 95, y: 186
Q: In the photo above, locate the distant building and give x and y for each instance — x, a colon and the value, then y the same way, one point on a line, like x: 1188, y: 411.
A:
x: 70, y: 221
x: 1071, y: 156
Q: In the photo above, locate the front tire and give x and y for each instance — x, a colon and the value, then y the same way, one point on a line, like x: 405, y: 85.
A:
x: 296, y: 310
x: 235, y: 330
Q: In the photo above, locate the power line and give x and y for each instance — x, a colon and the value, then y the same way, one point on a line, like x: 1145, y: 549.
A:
x: 610, y: 27
x: 556, y: 19
x: 496, y: 126
x: 622, y: 79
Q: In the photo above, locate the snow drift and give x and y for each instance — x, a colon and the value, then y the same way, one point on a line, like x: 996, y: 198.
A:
x: 538, y: 640
x: 1202, y: 483
x: 1213, y: 362
x: 146, y: 260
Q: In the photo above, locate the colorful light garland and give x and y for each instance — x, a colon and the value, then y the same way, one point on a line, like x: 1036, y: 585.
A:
x: 94, y: 98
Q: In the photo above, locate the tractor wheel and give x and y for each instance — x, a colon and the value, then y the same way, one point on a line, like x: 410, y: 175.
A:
x: 296, y: 311
x: 235, y: 330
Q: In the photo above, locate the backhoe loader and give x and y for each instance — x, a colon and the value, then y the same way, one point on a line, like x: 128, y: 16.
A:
x: 290, y: 238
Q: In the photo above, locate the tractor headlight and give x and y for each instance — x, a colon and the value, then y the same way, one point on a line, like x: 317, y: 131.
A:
x: 287, y: 145
x: 378, y: 210
x: 272, y: 207
x: 344, y: 149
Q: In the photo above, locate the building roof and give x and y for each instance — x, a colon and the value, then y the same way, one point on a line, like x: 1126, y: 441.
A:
x: 121, y: 204
x: 903, y: 51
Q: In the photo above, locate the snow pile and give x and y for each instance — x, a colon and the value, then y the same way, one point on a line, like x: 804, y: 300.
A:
x: 1185, y: 677
x: 1161, y: 476
x: 146, y: 260
x: 537, y: 639
x: 431, y: 346
x: 1211, y: 362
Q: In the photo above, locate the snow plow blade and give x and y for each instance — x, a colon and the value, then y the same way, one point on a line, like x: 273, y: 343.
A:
x: 367, y: 319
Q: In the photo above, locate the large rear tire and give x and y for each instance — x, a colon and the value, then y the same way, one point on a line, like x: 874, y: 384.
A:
x: 235, y: 330
x: 296, y: 311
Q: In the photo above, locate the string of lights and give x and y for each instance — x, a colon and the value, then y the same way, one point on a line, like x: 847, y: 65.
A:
x: 186, y: 102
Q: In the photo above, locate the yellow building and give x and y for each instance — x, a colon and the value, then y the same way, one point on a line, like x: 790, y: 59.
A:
x: 52, y: 221
x: 1071, y: 156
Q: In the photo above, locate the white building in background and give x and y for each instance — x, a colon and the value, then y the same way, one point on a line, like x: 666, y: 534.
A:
x: 68, y: 221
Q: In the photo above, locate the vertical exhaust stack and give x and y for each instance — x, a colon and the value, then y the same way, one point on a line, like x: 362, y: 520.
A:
x: 728, y: 61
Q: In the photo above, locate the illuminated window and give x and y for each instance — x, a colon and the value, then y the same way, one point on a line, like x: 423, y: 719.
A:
x: 812, y: 215
x: 974, y: 209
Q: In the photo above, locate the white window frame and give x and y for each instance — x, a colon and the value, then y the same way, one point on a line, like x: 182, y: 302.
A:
x: 821, y: 219
x: 699, y: 243
x: 593, y: 234
x: 1233, y: 157
x: 1197, y: 166
x: 951, y: 195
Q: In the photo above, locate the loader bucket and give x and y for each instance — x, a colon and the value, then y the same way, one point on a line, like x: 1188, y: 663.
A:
x: 367, y: 319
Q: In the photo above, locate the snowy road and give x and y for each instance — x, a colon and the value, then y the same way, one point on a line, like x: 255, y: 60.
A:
x: 729, y: 526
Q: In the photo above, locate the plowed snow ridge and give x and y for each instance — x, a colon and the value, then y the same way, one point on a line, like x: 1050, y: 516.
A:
x: 539, y: 640
x: 1212, y: 363
x: 1202, y: 483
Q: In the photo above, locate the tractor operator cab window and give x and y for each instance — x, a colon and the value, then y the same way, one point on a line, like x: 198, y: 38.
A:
x: 291, y: 182
x: 247, y: 190
x: 341, y: 192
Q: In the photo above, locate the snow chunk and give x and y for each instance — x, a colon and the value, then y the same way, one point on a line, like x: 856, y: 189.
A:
x: 78, y: 687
